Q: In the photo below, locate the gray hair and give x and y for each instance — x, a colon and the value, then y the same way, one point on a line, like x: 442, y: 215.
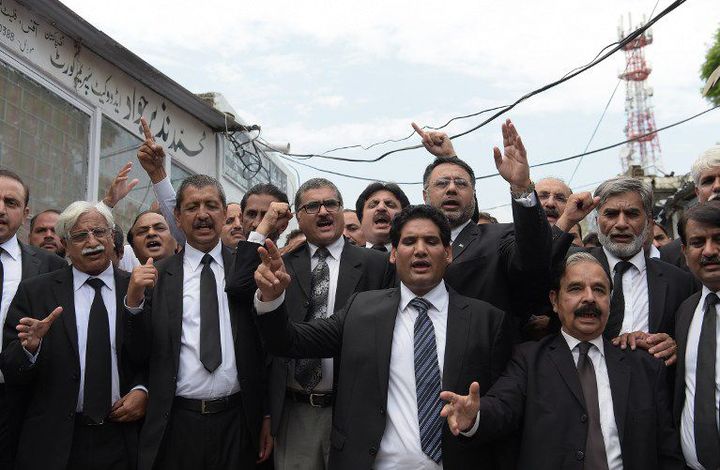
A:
x: 622, y: 185
x: 316, y: 183
x: 708, y: 159
x: 69, y: 217
x: 555, y: 178
x: 575, y: 258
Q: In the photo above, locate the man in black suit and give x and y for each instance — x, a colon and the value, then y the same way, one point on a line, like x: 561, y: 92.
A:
x: 325, y: 272
x: 646, y: 291
x: 706, y: 176
x: 84, y: 394
x: 399, y: 347
x: 491, y: 262
x: 696, y: 404
x: 206, y: 363
x: 578, y: 401
x: 18, y: 261
x: 375, y: 208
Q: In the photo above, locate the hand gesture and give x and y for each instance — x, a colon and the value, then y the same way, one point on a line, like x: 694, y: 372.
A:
x: 276, y: 219
x: 461, y: 410
x: 436, y: 142
x: 660, y: 345
x: 577, y: 208
x: 142, y: 277
x: 266, y: 441
x: 130, y: 408
x: 270, y: 276
x: 294, y: 243
x: 513, y: 165
x: 151, y: 155
x: 31, y: 330
x: 120, y: 186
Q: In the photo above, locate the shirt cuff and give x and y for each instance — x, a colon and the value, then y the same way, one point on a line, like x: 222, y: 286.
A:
x: 529, y: 201
x: 133, y: 310
x: 471, y: 432
x: 163, y: 189
x: 33, y: 357
x: 140, y: 387
x: 256, y: 237
x: 265, y: 307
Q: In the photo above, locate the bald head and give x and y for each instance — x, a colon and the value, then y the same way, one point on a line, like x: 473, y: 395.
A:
x: 553, y: 194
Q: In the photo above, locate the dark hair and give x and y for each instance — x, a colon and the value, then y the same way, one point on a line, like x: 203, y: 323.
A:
x: 263, y: 188
x: 130, y: 235
x: 293, y: 234
x: 591, y: 237
x: 372, y: 188
x: 14, y: 176
x: 34, y: 218
x: 118, y: 241
x: 487, y: 216
x: 451, y: 160
x: 420, y: 211
x: 664, y: 230
x: 705, y: 213
x: 316, y: 183
x: 199, y: 181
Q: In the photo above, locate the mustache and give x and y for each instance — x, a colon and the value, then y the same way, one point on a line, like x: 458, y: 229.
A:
x: 588, y: 309
x: 552, y: 212
x: 92, y: 250
x: 203, y: 224
x: 706, y: 260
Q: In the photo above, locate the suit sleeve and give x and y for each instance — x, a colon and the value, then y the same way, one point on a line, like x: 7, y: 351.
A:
x: 320, y: 337
x: 670, y: 453
x: 138, y: 331
x: 15, y: 364
x: 241, y: 281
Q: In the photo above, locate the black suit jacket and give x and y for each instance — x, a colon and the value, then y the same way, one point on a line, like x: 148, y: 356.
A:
x: 668, y: 287
x: 53, y: 382
x: 684, y: 317
x: 672, y: 253
x: 155, y: 336
x: 540, y: 395
x: 501, y: 263
x: 476, y: 349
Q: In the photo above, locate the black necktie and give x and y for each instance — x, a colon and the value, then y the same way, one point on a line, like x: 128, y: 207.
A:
x: 617, y: 302
x: 707, y: 440
x: 210, y: 351
x: 380, y: 247
x: 308, y: 372
x: 595, y: 456
x: 97, y: 391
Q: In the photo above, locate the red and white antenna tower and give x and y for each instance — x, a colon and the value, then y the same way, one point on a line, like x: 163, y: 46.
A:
x: 643, y: 152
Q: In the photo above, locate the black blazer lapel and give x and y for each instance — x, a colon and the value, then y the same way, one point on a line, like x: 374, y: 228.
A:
x: 458, y: 330
x: 122, y: 280
x: 384, y: 329
x: 349, y: 275
x: 562, y: 357
x: 30, y: 263
x: 682, y: 327
x: 299, y: 263
x: 468, y: 235
x: 228, y: 258
x: 657, y: 290
x: 599, y: 254
x: 65, y: 294
x: 619, y: 376
x: 173, y: 292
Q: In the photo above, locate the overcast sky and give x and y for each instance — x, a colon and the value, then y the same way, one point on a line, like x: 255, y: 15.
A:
x: 326, y: 74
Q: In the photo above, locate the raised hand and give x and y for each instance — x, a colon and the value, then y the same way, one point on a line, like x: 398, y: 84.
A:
x: 513, y: 164
x: 151, y: 155
x: 461, y: 410
x: 270, y: 276
x: 276, y: 219
x: 130, y: 408
x: 578, y: 206
x: 143, y: 277
x: 120, y: 186
x: 436, y: 142
x: 31, y: 330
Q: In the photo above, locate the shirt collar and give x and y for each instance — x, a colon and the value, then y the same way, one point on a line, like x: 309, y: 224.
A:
x: 653, y: 252
x: 388, y: 246
x: 638, y: 260
x: 438, y: 297
x: 107, y: 276
x: 12, y: 247
x: 572, y: 342
x: 456, y: 231
x: 194, y: 256
x: 335, y: 248
x: 704, y: 293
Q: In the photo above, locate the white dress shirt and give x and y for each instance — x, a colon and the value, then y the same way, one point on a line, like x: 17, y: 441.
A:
x: 687, y: 420
x: 193, y: 380
x: 608, y: 424
x: 388, y: 246
x: 11, y: 258
x: 166, y: 198
x: 635, y: 291
x: 653, y: 252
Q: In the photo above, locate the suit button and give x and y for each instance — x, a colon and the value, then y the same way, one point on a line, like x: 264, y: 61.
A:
x: 583, y: 418
x: 579, y: 455
x: 306, y: 304
x: 70, y: 415
x: 76, y: 377
x: 373, y: 451
x: 165, y: 415
x: 382, y: 411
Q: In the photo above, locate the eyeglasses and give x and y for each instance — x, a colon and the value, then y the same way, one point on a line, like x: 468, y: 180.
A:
x: 313, y: 207
x: 442, y: 183
x: 81, y: 237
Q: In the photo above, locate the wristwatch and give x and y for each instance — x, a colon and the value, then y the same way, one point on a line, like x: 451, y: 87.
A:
x: 524, y: 192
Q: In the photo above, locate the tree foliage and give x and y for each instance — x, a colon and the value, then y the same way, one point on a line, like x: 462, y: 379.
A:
x: 712, y: 61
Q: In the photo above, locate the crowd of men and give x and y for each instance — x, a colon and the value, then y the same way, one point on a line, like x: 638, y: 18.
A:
x: 388, y: 336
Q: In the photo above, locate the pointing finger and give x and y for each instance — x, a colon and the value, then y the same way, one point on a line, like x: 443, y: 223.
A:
x: 146, y: 130
x: 418, y: 130
x: 53, y: 315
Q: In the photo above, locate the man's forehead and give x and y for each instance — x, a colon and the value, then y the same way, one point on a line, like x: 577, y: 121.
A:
x: 316, y: 194
x: 586, y: 272
x: 148, y: 219
x: 233, y: 209
x: 9, y: 185
x: 204, y: 193
x: 420, y: 228
x: 46, y: 218
x: 449, y: 169
x: 712, y: 171
x: 552, y: 186
x: 382, y: 194
x: 623, y: 201
x: 695, y: 228
x: 260, y: 201
x: 91, y: 218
